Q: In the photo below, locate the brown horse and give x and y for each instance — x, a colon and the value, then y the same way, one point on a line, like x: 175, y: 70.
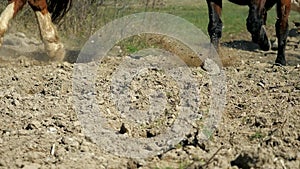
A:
x: 255, y: 23
x: 46, y: 11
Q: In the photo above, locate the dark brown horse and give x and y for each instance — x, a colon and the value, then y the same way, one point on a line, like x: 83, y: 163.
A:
x: 46, y: 11
x: 255, y: 23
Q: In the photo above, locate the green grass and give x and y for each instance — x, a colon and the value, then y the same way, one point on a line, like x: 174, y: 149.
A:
x: 257, y: 136
x: 233, y: 16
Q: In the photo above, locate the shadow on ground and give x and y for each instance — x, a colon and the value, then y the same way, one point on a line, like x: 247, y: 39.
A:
x: 250, y: 46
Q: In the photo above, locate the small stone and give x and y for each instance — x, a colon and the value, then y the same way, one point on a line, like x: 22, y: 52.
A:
x: 297, y: 87
x: 261, y: 84
x: 36, y: 124
x: 70, y: 142
x: 84, y: 148
x: 24, y: 132
x: 52, y: 130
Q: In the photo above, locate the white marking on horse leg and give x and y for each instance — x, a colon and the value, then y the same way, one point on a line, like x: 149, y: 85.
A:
x: 265, y: 30
x: 275, y: 44
x: 295, y: 5
x: 5, y: 16
x: 55, y: 49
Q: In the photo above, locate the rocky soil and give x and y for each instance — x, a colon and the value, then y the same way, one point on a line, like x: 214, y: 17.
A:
x: 42, y: 125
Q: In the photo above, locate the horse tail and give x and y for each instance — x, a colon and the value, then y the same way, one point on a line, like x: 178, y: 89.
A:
x: 58, y: 8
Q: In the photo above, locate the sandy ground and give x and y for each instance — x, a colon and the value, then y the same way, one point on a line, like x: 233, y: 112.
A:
x: 41, y: 128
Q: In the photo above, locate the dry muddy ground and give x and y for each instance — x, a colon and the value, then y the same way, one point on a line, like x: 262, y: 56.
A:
x: 40, y: 126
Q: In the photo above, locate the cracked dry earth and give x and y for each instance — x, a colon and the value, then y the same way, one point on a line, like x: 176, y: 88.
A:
x: 40, y: 128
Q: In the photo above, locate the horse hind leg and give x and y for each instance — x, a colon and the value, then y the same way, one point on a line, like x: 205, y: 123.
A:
x: 9, y: 12
x: 53, y: 46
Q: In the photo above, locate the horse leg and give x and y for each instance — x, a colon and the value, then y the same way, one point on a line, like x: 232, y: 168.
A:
x: 215, y: 23
x: 268, y: 6
x: 9, y: 12
x: 283, y: 11
x: 256, y: 22
x: 53, y: 46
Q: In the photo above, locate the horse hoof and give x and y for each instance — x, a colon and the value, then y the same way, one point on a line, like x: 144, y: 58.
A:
x: 274, y: 45
x: 265, y: 47
x: 280, y: 62
x: 57, y: 54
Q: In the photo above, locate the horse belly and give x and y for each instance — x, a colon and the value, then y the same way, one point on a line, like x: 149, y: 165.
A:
x: 240, y: 2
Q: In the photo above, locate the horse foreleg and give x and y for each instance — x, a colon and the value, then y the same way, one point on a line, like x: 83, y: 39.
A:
x: 215, y: 24
x: 9, y: 12
x: 283, y: 11
x: 256, y: 24
x: 53, y: 46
